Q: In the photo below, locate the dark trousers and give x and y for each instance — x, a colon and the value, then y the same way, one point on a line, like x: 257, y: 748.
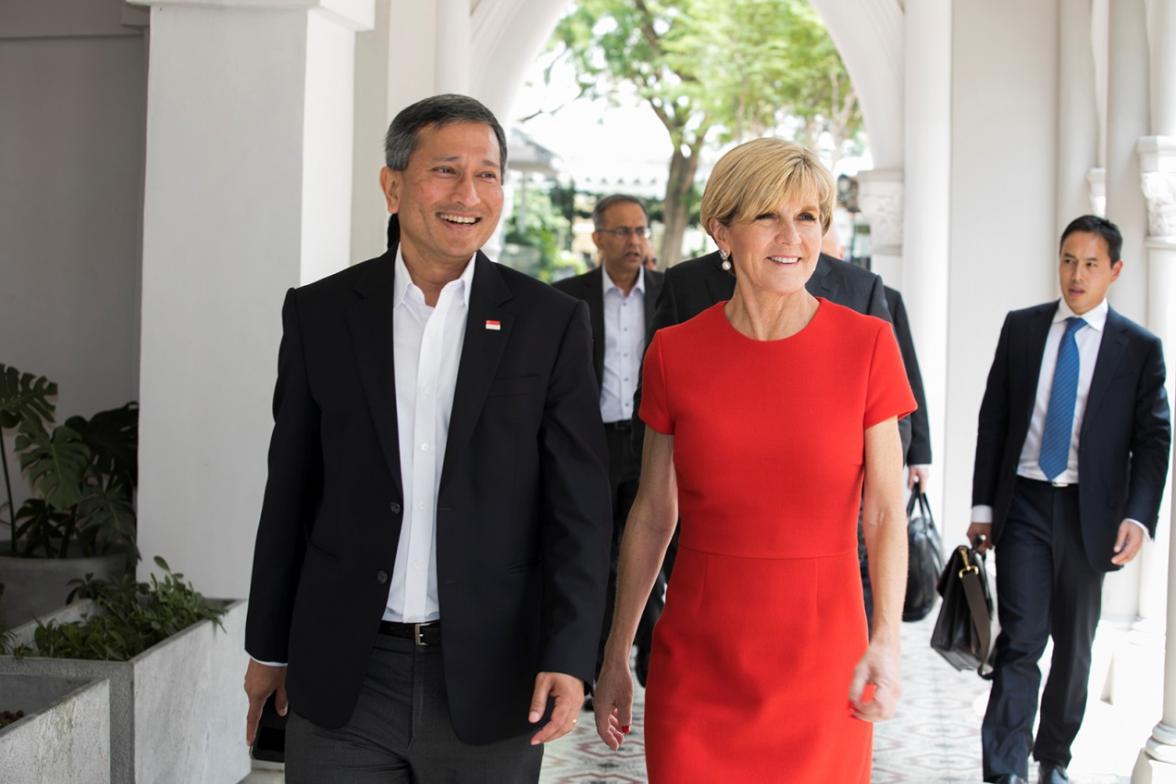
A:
x: 1045, y: 587
x: 623, y: 470
x: 400, y: 732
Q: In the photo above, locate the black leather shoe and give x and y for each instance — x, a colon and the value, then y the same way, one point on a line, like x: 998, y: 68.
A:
x: 1052, y: 773
x: 1010, y: 778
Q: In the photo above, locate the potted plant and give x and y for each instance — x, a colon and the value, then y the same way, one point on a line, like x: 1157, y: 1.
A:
x: 173, y: 660
x: 81, y: 519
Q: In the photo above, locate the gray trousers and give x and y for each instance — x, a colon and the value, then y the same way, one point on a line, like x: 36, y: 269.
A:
x: 401, y: 733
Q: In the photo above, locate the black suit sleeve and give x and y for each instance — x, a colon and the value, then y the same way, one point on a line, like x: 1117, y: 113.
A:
x: 876, y: 304
x: 291, y: 499
x: 919, y: 452
x: 1151, y: 441
x: 993, y: 425
x: 577, y: 526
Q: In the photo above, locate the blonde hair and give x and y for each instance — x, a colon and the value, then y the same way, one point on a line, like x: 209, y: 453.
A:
x: 758, y: 176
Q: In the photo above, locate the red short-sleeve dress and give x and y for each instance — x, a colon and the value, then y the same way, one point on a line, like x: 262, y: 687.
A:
x: 764, y: 620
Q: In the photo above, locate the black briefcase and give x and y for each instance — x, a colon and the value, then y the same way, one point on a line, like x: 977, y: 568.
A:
x: 963, y: 630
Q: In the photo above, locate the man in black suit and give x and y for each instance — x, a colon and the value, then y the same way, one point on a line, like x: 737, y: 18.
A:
x: 917, y: 457
x: 1071, y: 456
x: 620, y: 294
x: 433, y: 544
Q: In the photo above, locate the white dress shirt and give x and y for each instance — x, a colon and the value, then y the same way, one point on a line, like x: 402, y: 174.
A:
x: 624, y: 345
x: 1088, y: 338
x: 427, y: 350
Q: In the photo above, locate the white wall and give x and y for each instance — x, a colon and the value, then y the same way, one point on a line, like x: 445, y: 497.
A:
x: 73, y: 92
x: 1003, y: 256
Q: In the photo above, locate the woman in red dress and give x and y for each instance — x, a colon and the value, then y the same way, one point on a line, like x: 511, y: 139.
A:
x: 772, y: 418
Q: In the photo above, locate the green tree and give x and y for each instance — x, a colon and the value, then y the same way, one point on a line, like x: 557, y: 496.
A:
x: 713, y: 71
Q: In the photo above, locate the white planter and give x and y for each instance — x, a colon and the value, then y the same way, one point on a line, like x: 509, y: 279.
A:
x: 64, y: 735
x: 177, y: 710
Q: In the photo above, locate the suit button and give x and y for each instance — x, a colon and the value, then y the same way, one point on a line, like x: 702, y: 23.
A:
x: 394, y: 507
x: 381, y: 577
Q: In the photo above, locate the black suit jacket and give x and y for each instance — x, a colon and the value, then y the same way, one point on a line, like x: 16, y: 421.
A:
x: 523, y: 518
x: 919, y: 452
x: 1125, y: 436
x: 589, y: 287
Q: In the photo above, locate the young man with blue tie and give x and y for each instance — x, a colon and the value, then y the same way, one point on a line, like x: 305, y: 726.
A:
x: 1071, y: 457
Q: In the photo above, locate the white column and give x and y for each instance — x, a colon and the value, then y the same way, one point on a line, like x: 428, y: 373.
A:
x: 927, y: 215
x: 1077, y: 110
x: 880, y: 196
x: 452, y: 52
x: 247, y: 192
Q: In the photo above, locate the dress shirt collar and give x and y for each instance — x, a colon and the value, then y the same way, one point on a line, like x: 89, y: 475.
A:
x: 403, y: 281
x: 1096, y: 317
x: 609, y: 285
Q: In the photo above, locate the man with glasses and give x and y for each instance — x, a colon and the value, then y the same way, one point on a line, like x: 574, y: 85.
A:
x: 620, y: 294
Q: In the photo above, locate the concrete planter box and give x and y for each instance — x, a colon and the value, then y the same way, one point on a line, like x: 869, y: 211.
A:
x: 177, y: 710
x: 36, y: 586
x: 65, y: 734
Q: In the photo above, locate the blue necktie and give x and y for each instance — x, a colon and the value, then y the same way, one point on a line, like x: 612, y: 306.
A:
x: 1059, y: 416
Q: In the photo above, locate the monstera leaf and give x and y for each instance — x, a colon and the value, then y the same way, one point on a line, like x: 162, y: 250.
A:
x: 55, y: 464
x: 25, y: 398
x: 106, y: 517
x: 41, y: 530
x: 113, y: 439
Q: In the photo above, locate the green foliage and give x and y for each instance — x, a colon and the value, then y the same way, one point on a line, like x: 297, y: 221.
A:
x: 130, y: 617
x: 537, y: 222
x: 84, y: 472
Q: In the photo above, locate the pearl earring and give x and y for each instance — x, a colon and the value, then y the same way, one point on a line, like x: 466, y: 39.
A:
x: 725, y: 255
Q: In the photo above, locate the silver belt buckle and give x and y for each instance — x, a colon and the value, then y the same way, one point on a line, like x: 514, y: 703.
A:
x: 417, y: 635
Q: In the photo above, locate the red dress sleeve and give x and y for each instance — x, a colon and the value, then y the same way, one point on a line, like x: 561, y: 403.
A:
x: 655, y: 410
x: 888, y: 392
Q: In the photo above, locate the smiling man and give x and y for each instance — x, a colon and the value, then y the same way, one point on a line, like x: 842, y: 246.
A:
x: 1071, y: 456
x: 428, y: 578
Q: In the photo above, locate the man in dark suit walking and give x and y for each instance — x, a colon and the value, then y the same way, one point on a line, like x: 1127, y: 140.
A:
x: 620, y: 294
x: 917, y: 456
x: 428, y: 578
x: 1071, y: 455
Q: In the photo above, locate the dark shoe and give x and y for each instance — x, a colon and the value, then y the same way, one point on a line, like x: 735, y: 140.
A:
x: 1052, y: 773
x: 642, y: 666
x: 588, y: 704
x: 1010, y: 778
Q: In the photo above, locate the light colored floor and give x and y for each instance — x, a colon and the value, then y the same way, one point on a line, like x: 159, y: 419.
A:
x: 934, y: 739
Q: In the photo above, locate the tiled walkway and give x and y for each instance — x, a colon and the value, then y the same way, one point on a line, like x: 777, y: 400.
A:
x: 934, y: 739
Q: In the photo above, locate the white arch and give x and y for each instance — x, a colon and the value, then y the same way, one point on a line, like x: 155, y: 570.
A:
x: 507, y: 35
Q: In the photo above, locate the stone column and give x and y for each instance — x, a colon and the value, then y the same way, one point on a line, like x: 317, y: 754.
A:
x: 926, y: 219
x: 1077, y: 110
x: 451, y: 53
x: 247, y: 193
x: 880, y: 197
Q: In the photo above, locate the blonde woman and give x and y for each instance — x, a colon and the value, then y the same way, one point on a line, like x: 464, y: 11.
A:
x: 771, y: 418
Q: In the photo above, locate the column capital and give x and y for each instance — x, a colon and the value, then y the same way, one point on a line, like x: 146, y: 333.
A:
x: 354, y: 14
x: 1157, y: 166
x: 880, y: 196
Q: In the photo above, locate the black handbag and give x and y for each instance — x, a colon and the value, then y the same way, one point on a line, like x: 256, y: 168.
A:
x: 924, y: 558
x: 963, y: 630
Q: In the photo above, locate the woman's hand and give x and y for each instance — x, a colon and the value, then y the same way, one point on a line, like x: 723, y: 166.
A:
x: 876, y: 685
x: 612, y: 702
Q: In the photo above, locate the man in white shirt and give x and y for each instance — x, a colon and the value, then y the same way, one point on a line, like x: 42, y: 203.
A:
x: 620, y: 294
x: 429, y: 572
x: 1071, y: 457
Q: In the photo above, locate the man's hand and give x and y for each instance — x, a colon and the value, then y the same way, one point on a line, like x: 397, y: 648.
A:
x: 262, y: 680
x: 977, y: 530
x: 1127, y: 543
x: 612, y: 701
x: 568, y: 693
x: 921, y: 475
x: 878, y: 668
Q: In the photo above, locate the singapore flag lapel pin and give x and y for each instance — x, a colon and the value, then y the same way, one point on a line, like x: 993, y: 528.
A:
x: 494, y: 325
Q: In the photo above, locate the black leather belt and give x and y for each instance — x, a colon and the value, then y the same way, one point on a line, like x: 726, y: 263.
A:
x: 426, y: 635
x: 622, y: 425
x: 1054, y: 485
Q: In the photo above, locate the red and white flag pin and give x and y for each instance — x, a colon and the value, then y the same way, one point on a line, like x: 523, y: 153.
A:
x: 494, y: 325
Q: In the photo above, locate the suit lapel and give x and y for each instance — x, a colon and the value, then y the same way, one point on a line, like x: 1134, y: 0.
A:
x: 480, y: 354
x: 822, y: 284
x: 370, y: 322
x: 594, y: 296
x: 652, y: 291
x: 1110, y: 352
x: 719, y: 283
x: 1032, y: 351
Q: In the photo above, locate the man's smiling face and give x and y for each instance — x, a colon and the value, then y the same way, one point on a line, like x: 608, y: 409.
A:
x: 449, y: 197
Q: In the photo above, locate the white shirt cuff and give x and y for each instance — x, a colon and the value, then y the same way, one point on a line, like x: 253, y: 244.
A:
x: 266, y: 663
x: 981, y: 513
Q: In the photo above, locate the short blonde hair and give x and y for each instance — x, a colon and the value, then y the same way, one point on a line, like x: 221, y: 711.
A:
x: 758, y: 176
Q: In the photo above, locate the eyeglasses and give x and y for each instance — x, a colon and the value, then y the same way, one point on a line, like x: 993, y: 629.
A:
x: 625, y: 232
